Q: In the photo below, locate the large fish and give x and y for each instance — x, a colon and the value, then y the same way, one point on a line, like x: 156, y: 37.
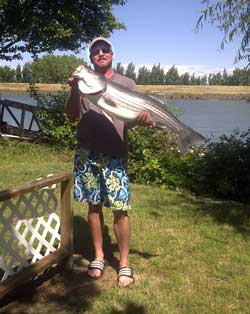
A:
x: 127, y: 104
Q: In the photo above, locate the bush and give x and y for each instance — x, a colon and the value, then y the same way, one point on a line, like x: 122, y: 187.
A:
x: 224, y: 171
x: 52, y: 118
x: 150, y: 155
x: 219, y: 169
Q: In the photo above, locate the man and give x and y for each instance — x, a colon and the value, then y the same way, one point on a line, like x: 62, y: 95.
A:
x: 100, y: 167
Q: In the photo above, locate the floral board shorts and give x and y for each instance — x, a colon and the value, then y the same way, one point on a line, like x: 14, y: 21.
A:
x: 101, y: 180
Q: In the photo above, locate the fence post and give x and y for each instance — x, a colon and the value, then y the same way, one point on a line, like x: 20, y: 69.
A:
x: 22, y: 121
x: 66, y: 222
x: 2, y: 112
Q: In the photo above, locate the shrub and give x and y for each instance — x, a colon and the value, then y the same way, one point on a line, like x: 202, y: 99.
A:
x: 52, y: 118
x: 150, y: 153
x: 224, y: 171
x: 218, y: 169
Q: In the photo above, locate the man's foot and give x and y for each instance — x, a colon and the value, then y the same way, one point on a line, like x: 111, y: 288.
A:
x: 95, y: 269
x: 125, y: 277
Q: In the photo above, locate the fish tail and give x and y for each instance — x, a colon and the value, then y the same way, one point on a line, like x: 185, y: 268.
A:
x: 187, y: 138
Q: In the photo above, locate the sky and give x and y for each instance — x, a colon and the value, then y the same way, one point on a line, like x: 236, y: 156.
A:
x: 163, y: 31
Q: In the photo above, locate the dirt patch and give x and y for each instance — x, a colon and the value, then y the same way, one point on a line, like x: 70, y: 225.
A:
x: 58, y: 292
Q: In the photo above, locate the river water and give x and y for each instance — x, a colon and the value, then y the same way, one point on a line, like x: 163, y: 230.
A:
x: 213, y: 118
x: 209, y: 117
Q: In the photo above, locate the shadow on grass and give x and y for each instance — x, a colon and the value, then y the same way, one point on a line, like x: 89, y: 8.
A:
x: 130, y: 308
x: 83, y: 244
x: 232, y: 213
x: 76, y: 294
x: 222, y: 212
x: 74, y: 290
x: 55, y: 287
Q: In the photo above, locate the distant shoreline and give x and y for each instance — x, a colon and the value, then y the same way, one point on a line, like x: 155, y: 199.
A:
x: 198, y: 92
x: 191, y: 92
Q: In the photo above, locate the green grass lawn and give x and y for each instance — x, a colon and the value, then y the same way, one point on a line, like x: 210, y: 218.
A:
x: 190, y: 255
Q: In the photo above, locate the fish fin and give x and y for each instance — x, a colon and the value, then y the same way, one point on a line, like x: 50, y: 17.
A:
x: 109, y: 101
x: 159, y: 98
x: 85, y: 89
x: 187, y: 138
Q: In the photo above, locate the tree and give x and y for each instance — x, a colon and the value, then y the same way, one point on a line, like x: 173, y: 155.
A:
x: 143, y: 76
x: 232, y: 18
x: 225, y: 77
x: 36, y: 26
x: 130, y: 71
x: 18, y: 73
x: 27, y: 72
x: 241, y: 76
x: 119, y: 68
x: 219, y: 79
x: 192, y: 79
x: 204, y: 80
x: 54, y: 69
x: 7, y: 74
x: 157, y: 75
x: 172, y: 76
x: 184, y: 79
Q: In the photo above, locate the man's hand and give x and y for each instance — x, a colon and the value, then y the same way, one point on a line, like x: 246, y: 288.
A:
x: 73, y: 82
x: 145, y: 119
x: 72, y: 106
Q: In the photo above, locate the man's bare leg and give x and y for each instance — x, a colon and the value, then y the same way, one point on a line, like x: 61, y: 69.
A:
x: 96, y: 222
x: 122, y: 233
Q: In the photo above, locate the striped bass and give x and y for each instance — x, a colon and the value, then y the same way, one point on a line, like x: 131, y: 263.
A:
x: 127, y: 105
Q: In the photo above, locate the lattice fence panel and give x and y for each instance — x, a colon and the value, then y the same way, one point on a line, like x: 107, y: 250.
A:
x: 29, y: 230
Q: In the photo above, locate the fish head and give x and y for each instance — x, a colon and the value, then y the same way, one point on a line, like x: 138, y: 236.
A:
x: 89, y: 82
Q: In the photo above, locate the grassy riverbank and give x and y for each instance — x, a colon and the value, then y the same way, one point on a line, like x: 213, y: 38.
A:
x: 199, y: 92
x: 172, y: 91
x: 190, y: 255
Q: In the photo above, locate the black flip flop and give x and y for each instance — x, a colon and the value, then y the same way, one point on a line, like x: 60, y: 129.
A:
x: 96, y: 265
x: 127, y: 272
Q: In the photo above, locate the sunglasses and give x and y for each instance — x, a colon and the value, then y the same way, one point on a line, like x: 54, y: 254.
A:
x: 96, y: 51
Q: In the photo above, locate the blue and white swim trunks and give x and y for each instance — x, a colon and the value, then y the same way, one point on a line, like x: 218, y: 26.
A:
x: 101, y: 180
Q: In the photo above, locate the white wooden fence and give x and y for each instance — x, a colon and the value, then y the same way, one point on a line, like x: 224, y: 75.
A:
x: 35, y: 229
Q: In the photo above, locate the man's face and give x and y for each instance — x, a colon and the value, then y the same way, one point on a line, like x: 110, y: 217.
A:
x: 101, y: 55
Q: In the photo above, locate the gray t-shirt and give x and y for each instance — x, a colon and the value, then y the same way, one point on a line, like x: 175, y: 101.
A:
x: 97, y: 132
